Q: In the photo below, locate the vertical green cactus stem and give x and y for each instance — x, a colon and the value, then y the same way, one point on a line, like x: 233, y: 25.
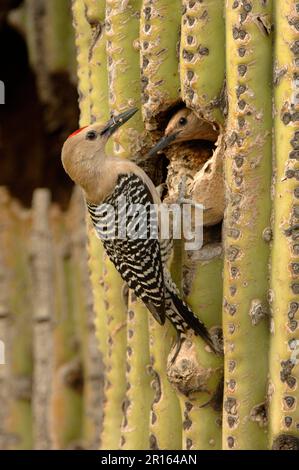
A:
x: 66, y: 400
x: 139, y: 396
x: 82, y: 41
x: 99, y: 108
x: 247, y: 218
x: 165, y: 416
x: 5, y: 321
x: 284, y: 343
x: 202, y: 57
x: 202, y: 50
x: 36, y: 19
x: 93, y: 93
x: 159, y: 39
x: 94, y: 80
x: 30, y: 28
x: 59, y: 40
x: 92, y: 374
x: 49, y: 35
x: 122, y: 33
x: 197, y: 374
x: 96, y: 263
x: 95, y: 12
x: 115, y: 380
x: 19, y: 342
x: 202, y: 425
x: 43, y: 308
x: 206, y: 268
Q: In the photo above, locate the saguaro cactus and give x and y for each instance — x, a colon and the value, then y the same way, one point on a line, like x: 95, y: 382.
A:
x: 159, y: 41
x: 214, y: 57
x: 203, y: 56
x: 284, y: 368
x: 157, y: 50
x: 247, y: 221
x: 42, y: 267
x: 15, y: 327
x: 124, y: 91
x: 66, y: 396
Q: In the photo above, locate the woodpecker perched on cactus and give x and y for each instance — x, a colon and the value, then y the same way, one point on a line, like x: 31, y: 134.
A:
x: 105, y: 181
x: 185, y: 126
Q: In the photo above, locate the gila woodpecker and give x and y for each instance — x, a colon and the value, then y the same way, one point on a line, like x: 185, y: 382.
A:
x: 140, y: 261
x: 185, y: 126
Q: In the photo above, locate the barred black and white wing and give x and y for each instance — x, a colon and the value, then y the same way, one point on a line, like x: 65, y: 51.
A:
x: 166, y: 248
x: 127, y: 224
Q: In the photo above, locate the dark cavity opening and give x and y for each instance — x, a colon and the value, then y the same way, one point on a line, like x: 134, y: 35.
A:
x: 32, y: 132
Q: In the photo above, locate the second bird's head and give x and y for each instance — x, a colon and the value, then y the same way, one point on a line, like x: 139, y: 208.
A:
x: 185, y: 126
x: 82, y: 150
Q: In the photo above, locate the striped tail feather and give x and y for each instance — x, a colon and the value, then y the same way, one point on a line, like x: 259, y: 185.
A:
x: 182, y: 318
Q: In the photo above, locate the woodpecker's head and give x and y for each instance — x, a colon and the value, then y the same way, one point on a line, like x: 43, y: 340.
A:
x: 83, y: 151
x: 185, y: 126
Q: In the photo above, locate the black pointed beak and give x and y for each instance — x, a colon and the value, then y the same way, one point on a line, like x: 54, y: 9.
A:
x: 162, y: 143
x: 117, y: 121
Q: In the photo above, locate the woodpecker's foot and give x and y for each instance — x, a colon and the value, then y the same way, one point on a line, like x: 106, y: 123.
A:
x: 182, y: 190
x: 161, y: 189
x: 124, y: 4
x: 176, y: 349
x: 125, y: 293
x: 182, y: 196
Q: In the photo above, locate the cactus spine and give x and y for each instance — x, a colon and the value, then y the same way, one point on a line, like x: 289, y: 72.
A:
x: 99, y: 111
x: 82, y: 41
x: 202, y: 56
x: 42, y: 268
x: 122, y: 30
x: 95, y: 13
x: 159, y: 40
x: 202, y: 422
x: 59, y: 37
x: 15, y: 328
x: 115, y: 382
x: 93, y: 101
x: 136, y: 407
x: 284, y: 368
x: 122, y: 23
x: 66, y: 399
x: 151, y: 27
x: 247, y: 219
x: 165, y: 415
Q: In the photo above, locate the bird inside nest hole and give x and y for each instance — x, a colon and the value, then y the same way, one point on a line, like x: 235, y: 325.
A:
x: 184, y: 126
x: 190, y: 142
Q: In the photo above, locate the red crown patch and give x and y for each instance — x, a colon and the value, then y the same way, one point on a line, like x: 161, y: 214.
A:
x: 77, y: 131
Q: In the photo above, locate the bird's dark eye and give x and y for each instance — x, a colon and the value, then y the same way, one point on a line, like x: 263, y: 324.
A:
x: 91, y: 135
x: 182, y: 121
